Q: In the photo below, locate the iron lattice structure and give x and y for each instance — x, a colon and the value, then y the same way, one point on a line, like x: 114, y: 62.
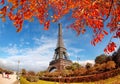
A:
x: 60, y: 58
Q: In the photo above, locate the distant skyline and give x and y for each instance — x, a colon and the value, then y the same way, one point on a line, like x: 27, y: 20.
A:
x: 34, y: 46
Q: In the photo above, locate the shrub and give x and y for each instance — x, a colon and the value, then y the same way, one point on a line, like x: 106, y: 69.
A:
x: 110, y: 65
x: 88, y: 65
x: 87, y: 78
x: 32, y: 78
x: 23, y: 72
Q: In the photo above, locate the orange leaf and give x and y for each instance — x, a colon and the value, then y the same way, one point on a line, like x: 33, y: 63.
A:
x: 101, y: 36
x: 106, y: 33
x: 20, y: 27
x: 3, y: 10
x: 27, y: 15
x: 83, y: 31
x: 3, y: 19
x: 11, y: 16
x: 110, y: 47
x: 22, y: 2
x: 46, y: 25
x: 118, y: 34
x: 2, y: 2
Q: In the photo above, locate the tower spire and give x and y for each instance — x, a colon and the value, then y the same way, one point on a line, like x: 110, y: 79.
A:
x: 60, y: 38
x: 60, y: 51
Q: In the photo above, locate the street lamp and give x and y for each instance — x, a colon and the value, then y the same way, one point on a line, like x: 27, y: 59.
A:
x: 78, y: 59
x: 18, y: 70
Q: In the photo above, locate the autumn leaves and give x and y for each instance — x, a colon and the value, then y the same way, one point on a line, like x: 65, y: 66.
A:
x: 91, y: 13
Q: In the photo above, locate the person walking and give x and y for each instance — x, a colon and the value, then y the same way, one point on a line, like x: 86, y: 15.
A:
x: 2, y: 74
x: 7, y: 75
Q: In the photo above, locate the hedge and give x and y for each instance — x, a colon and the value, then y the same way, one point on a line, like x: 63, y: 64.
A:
x: 87, y: 78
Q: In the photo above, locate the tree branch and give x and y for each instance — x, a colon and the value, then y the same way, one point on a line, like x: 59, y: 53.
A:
x: 109, y: 11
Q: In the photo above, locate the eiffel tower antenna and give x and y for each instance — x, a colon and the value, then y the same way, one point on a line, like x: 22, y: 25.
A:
x: 60, y: 39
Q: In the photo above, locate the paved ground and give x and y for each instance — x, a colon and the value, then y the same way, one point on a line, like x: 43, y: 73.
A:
x: 11, y: 80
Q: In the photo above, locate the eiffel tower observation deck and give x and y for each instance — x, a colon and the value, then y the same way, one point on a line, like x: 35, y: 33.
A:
x: 60, y: 58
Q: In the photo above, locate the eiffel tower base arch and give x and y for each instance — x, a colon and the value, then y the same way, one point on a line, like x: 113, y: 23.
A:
x: 58, y: 64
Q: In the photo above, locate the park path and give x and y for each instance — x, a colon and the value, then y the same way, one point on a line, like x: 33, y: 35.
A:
x: 11, y: 80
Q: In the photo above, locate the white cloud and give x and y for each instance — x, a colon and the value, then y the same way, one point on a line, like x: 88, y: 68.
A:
x: 11, y: 50
x: 44, y: 40
x: 76, y: 50
x: 83, y: 63
x: 23, y: 42
x: 36, y: 58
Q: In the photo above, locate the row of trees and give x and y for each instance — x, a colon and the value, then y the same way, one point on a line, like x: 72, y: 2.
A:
x: 74, y: 70
x: 104, y: 58
x: 5, y: 71
x: 103, y: 63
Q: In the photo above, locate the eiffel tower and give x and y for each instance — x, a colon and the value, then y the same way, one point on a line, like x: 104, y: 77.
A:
x: 60, y: 58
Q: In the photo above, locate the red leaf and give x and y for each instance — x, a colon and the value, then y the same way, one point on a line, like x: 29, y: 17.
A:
x: 106, y: 33
x: 114, y: 37
x: 2, y: 2
x: 110, y: 47
x: 11, y: 16
x: 3, y: 10
x: 27, y: 15
x: 105, y: 50
x: 83, y: 31
x: 20, y: 26
x: 19, y: 29
x: 46, y: 25
x: 118, y: 34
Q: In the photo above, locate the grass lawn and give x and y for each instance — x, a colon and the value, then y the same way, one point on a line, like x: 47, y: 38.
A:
x: 114, y: 80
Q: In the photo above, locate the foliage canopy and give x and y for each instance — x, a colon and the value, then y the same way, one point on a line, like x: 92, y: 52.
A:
x: 91, y: 13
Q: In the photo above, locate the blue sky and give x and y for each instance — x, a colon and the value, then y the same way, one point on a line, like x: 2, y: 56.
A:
x: 34, y: 46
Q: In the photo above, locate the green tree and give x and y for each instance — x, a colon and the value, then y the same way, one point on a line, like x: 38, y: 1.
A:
x: 116, y: 57
x: 101, y: 59
x: 88, y: 65
x: 24, y: 72
x: 109, y: 58
x: 74, y: 66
